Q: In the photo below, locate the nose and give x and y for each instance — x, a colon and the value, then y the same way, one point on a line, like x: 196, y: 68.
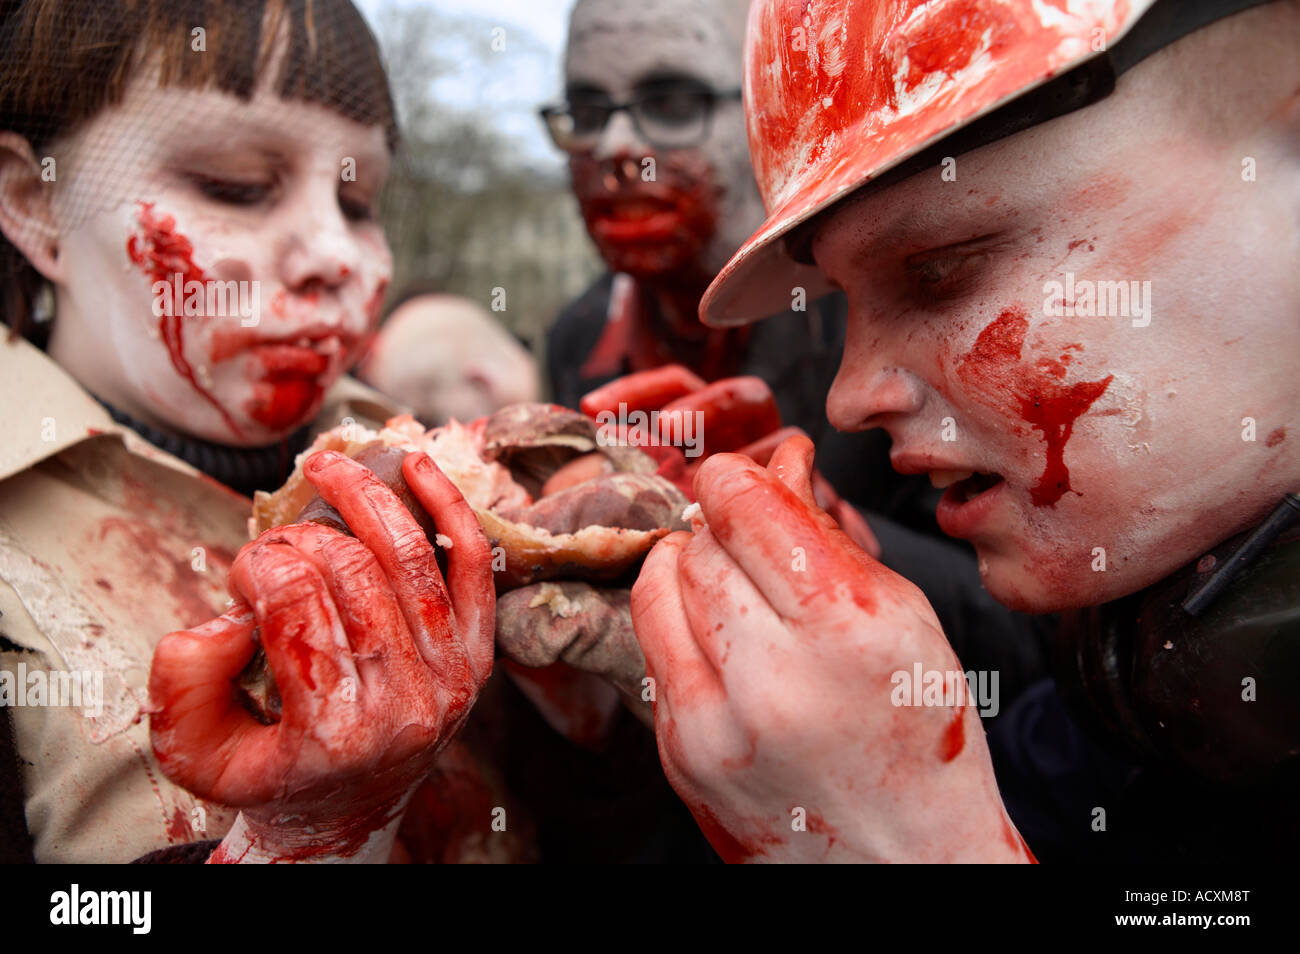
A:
x: 619, y: 137
x: 870, y: 384
x: 321, y: 249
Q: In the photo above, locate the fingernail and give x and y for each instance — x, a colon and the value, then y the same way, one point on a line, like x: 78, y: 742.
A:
x: 320, y: 459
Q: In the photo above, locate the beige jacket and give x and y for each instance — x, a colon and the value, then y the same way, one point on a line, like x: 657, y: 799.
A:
x: 106, y: 544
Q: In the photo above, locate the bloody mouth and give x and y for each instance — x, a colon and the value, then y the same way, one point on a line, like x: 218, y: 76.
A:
x: 634, y: 219
x: 964, y: 491
x: 286, y: 380
x: 282, y: 360
x: 282, y: 401
x: 968, y: 503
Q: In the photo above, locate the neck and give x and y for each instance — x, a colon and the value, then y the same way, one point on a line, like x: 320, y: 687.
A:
x: 677, y: 300
x: 242, y: 469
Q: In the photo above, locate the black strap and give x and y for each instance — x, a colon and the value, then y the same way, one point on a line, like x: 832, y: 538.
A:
x: 1167, y: 22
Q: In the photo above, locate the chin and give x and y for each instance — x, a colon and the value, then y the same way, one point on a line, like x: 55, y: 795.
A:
x: 647, y: 263
x: 1043, y: 589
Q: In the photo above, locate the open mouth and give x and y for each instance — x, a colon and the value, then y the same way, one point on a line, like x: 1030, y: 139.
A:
x: 969, y: 501
x: 302, y: 359
x: 968, y: 488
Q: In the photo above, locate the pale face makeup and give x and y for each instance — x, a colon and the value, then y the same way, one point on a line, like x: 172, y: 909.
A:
x: 1117, y: 438
x: 268, y: 203
x: 703, y: 201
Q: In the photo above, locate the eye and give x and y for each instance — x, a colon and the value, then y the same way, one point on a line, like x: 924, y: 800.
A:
x: 229, y: 191
x: 944, y: 276
x: 356, y: 210
x: 675, y: 107
x: 589, y: 115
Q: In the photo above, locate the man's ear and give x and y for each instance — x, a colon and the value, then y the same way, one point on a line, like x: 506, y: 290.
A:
x: 26, y: 206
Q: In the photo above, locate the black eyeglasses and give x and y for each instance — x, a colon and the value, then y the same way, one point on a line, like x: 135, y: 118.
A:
x: 670, y: 118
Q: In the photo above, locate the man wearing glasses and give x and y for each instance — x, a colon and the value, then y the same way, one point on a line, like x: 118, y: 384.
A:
x: 654, y: 131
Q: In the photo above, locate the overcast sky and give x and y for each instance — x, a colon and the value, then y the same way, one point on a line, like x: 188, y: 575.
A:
x: 530, y: 66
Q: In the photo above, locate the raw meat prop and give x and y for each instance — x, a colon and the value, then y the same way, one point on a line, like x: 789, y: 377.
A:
x: 595, y: 528
x: 553, y: 502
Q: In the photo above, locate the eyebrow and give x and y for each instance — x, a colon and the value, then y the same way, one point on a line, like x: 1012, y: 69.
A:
x: 902, y: 224
x: 266, y: 143
x: 909, y: 221
x: 585, y: 89
x: 670, y: 78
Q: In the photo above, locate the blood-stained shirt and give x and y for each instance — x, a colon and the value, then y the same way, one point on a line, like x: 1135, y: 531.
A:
x: 106, y: 545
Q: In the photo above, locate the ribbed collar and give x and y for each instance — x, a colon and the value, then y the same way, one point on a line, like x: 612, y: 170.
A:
x: 242, y: 469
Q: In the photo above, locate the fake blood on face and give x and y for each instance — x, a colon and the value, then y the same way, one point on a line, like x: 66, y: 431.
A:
x: 648, y: 229
x: 1044, y: 401
x: 281, y: 402
x: 161, y: 252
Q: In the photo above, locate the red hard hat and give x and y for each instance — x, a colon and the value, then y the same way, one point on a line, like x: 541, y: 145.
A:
x: 838, y: 92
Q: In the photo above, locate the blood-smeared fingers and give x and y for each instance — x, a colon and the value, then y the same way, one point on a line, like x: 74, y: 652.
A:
x: 642, y: 391
x: 723, y: 607
x: 372, y: 618
x: 195, y: 722
x: 761, y: 450
x: 851, y: 523
x: 301, y: 629
x: 469, y: 559
x: 732, y: 413
x: 662, y: 628
x: 792, y: 463
x: 379, y: 520
x: 782, y: 544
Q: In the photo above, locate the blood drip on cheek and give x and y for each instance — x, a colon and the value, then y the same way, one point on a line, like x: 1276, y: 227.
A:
x: 1043, y: 399
x: 161, y: 252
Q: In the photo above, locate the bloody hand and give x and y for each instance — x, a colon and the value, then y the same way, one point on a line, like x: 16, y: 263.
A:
x: 376, y: 660
x: 732, y: 412
x: 773, y: 641
x: 736, y: 414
